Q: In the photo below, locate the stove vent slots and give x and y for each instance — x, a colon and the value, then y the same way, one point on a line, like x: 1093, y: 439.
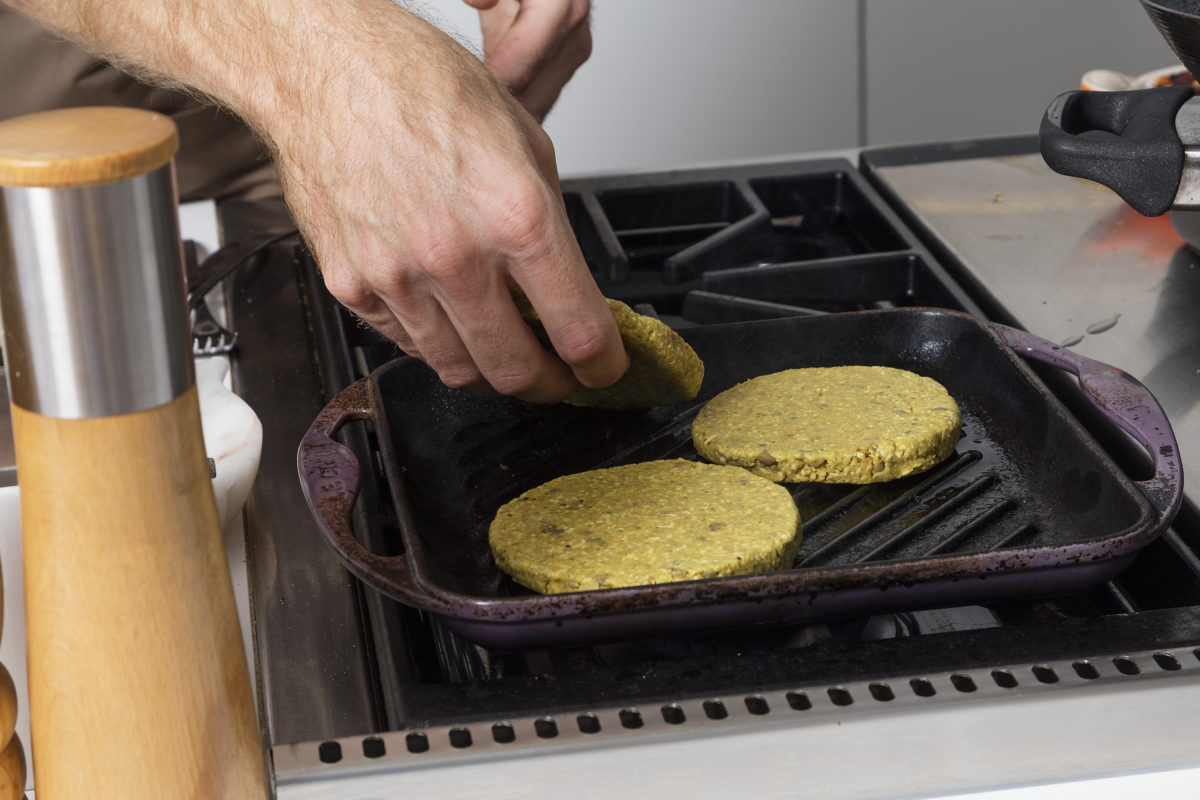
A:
x: 809, y: 705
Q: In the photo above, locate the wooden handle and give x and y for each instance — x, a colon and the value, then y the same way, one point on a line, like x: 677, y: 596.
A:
x: 12, y: 770
x: 71, y: 147
x: 138, y: 686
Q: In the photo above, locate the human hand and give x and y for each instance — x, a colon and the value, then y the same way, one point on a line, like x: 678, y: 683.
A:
x: 535, y: 46
x: 424, y: 189
x: 425, y: 206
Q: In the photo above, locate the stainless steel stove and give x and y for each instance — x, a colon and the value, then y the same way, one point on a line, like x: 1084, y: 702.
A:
x: 363, y: 697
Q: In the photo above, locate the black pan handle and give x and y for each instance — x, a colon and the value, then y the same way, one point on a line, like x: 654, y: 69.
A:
x: 329, y: 476
x: 1125, y: 401
x: 1141, y: 160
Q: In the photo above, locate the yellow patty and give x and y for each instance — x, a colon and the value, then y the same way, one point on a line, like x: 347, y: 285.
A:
x: 830, y: 425
x: 653, y: 522
x: 663, y: 368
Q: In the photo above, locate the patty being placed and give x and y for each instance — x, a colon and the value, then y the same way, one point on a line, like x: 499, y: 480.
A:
x: 663, y: 368
x: 652, y: 522
x: 830, y: 425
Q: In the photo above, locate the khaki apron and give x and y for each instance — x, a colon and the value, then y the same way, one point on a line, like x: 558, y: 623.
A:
x: 218, y: 157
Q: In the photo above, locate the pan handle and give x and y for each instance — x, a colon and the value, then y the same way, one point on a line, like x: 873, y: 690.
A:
x: 1124, y: 400
x: 329, y: 475
x: 1141, y: 160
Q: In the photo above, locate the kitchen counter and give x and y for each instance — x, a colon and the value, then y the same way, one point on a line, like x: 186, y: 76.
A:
x: 1073, y: 264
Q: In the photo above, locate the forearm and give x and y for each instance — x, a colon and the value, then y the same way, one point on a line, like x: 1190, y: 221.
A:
x: 266, y: 60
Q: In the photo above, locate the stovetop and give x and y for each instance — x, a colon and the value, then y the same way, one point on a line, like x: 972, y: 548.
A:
x: 375, y: 697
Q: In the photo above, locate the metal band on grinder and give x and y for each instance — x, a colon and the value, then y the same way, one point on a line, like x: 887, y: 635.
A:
x: 93, y: 296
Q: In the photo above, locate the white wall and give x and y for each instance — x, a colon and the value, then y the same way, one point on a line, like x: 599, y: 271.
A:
x: 959, y: 68
x: 682, y: 81
x: 675, y: 82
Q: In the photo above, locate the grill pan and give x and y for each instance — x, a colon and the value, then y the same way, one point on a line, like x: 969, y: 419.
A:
x: 1028, y: 505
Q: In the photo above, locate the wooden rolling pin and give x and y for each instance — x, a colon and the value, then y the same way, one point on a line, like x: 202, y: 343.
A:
x: 138, y: 683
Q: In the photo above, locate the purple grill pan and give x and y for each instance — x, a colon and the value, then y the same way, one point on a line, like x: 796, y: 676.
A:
x: 1028, y: 505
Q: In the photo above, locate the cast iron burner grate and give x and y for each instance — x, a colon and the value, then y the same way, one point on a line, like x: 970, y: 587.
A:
x: 695, y: 244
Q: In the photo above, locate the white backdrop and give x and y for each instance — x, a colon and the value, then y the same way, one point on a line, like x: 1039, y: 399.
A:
x: 675, y: 82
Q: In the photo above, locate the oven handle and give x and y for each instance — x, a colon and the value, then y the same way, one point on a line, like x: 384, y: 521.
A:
x: 1125, y: 401
x: 329, y: 474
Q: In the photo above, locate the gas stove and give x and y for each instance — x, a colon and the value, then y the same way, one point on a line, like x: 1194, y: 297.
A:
x: 361, y: 696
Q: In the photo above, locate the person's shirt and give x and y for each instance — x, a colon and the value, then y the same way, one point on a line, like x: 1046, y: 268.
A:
x: 218, y: 156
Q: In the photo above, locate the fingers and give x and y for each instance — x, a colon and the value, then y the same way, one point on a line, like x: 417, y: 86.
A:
x: 535, y: 46
x: 543, y: 90
x: 534, y: 35
x: 455, y: 312
x: 549, y: 267
x: 581, y: 329
x: 502, y: 345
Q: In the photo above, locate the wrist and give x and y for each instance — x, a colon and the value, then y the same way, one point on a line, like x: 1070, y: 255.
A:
x: 370, y: 63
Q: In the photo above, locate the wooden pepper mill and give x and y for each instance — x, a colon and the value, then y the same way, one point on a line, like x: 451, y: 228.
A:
x: 138, y: 684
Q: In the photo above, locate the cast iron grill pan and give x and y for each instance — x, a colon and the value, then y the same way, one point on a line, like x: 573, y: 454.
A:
x: 1027, y: 505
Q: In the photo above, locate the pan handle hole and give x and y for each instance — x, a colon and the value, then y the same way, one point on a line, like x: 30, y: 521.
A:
x: 922, y: 687
x: 503, y: 733
x: 416, y: 742
x: 840, y: 695
x: 373, y: 747
x: 1086, y: 670
x: 799, y: 701
x: 1167, y: 661
x: 1126, y: 665
x: 545, y: 728
x: 1004, y: 679
x: 460, y: 737
x: 715, y: 709
x: 588, y: 723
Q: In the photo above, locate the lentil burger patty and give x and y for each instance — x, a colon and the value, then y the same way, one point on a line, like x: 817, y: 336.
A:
x: 852, y: 424
x: 663, y: 368
x: 645, y: 523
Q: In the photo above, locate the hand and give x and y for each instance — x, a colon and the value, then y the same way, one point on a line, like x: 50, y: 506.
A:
x: 535, y: 46
x: 424, y: 206
x: 423, y: 188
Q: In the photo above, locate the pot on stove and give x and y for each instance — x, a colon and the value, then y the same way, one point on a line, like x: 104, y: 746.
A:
x: 1142, y: 144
